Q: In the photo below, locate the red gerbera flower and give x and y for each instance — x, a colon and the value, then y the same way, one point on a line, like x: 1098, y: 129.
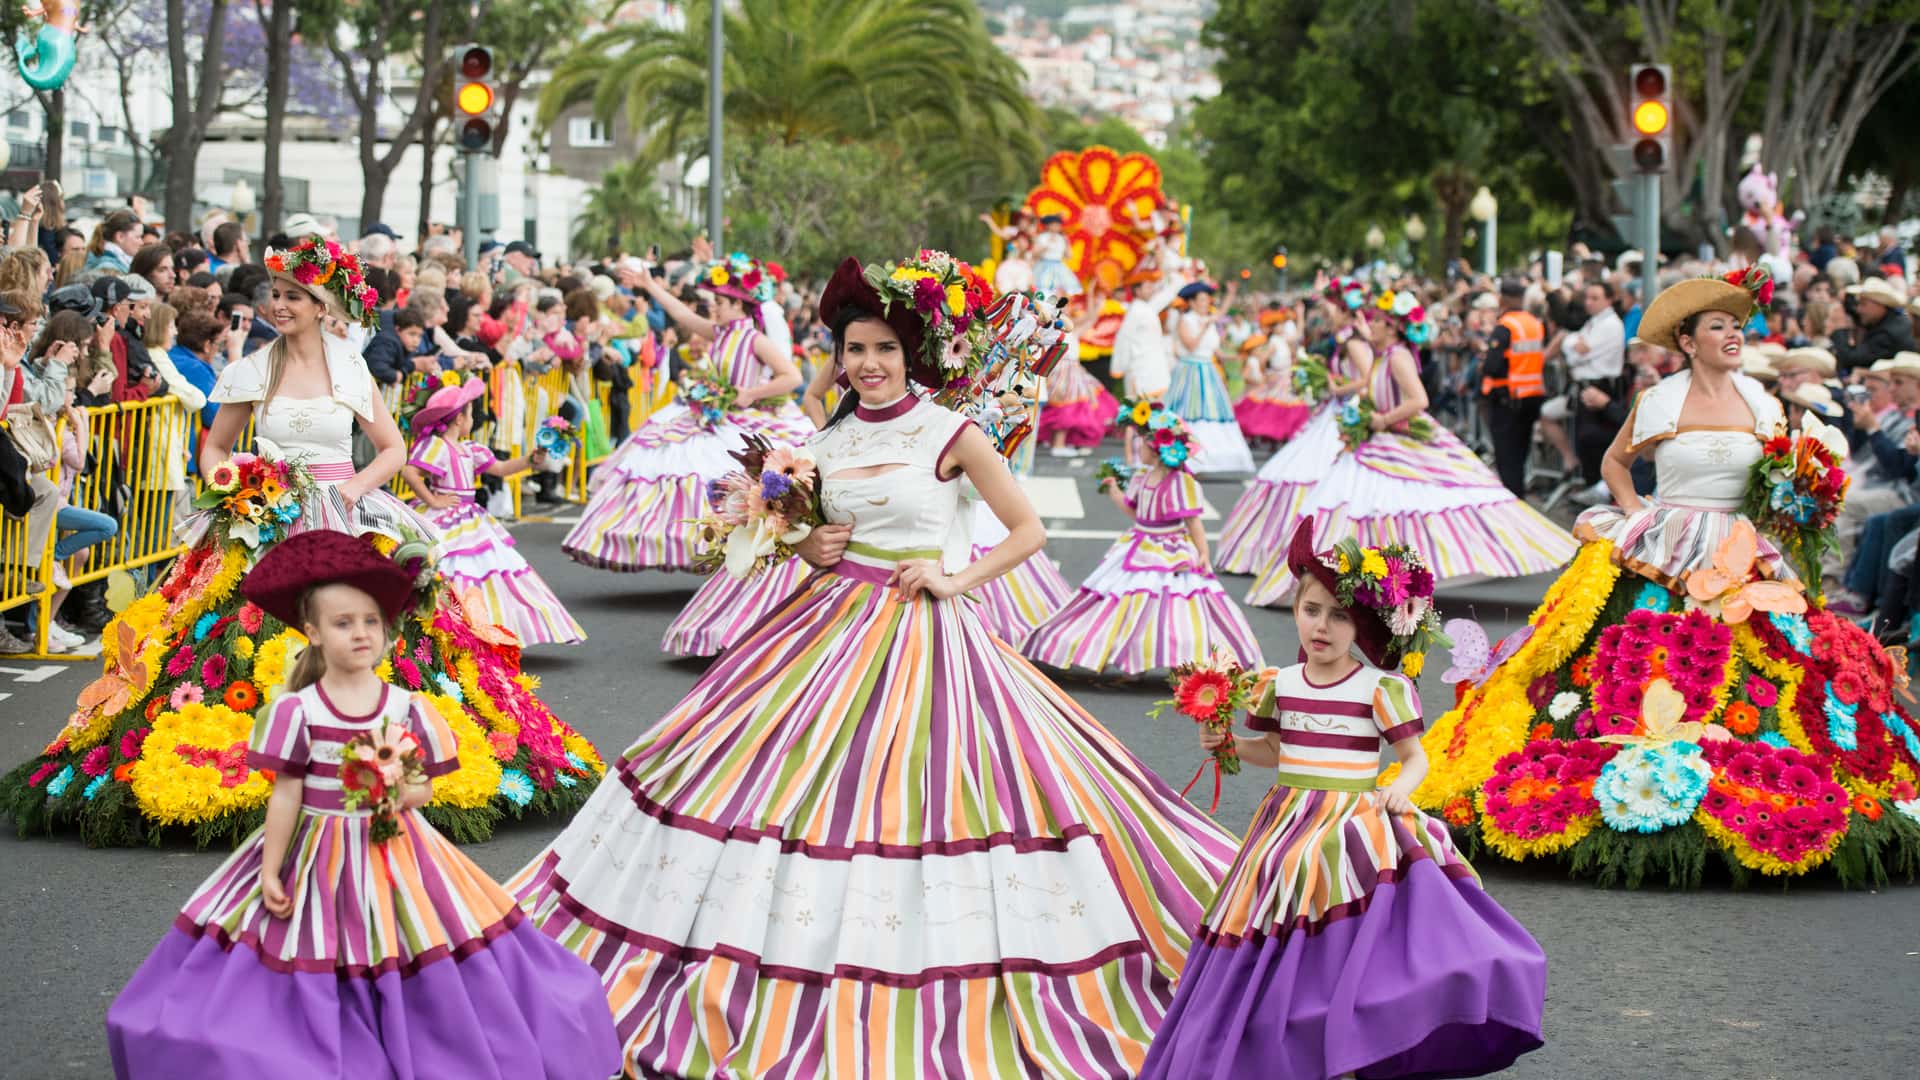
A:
x: 1202, y: 694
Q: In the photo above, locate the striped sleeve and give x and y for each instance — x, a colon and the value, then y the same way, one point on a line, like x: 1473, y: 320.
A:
x: 432, y: 456
x: 1396, y: 710
x: 482, y: 457
x: 279, y: 739
x: 1182, y: 497
x: 437, y: 742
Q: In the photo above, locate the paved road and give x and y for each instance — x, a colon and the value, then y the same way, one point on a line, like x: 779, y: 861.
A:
x: 1713, y: 984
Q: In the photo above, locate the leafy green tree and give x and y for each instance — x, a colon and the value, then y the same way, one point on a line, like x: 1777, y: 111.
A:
x: 626, y: 213
x: 811, y: 204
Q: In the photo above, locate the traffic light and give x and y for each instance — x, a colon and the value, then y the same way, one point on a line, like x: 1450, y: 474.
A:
x: 473, y: 97
x: 1652, y: 117
x: 1280, y: 259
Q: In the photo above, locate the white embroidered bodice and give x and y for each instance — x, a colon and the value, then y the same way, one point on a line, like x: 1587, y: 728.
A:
x: 905, y: 507
x: 1702, y: 467
x: 311, y: 431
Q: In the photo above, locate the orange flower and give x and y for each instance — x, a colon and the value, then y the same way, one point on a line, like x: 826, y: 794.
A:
x: 154, y: 707
x: 1868, y: 807
x: 1099, y: 195
x: 325, y: 274
x: 1583, y: 671
x: 276, y: 264
x: 1459, y: 810
x: 242, y: 697
x: 1202, y: 694
x: 123, y: 772
x: 1541, y: 732
x: 1742, y: 718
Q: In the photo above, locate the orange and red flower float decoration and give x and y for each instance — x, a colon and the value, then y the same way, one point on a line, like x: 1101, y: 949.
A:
x: 1105, y: 201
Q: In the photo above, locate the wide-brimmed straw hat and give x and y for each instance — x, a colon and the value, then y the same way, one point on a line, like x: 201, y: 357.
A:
x: 1815, y: 397
x: 1676, y: 304
x: 1758, y: 365
x: 1880, y: 290
x: 1900, y: 363
x: 1808, y: 358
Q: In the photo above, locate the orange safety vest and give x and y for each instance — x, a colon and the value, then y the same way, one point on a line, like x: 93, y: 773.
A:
x: 1526, y: 358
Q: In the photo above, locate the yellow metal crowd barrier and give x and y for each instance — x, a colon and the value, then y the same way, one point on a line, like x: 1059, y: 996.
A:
x: 138, y: 453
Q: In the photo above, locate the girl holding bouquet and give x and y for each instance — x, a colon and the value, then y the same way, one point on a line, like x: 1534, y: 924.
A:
x: 1153, y: 602
x: 1350, y: 936
x: 1401, y: 478
x: 346, y: 935
x: 873, y: 840
x: 474, y: 551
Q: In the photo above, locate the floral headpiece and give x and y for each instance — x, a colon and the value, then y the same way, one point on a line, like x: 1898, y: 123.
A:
x: 327, y: 269
x: 1393, y: 582
x: 1407, y: 309
x: 1346, y: 292
x: 739, y: 276
x: 949, y: 296
x: 1165, y: 432
x: 1756, y: 280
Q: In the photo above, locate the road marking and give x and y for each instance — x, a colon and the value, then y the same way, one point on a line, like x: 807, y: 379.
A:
x: 37, y: 674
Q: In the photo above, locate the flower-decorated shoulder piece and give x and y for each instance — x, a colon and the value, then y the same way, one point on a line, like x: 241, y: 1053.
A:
x: 324, y: 265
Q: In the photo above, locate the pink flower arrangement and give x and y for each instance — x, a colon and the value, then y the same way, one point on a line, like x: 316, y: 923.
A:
x: 1542, y: 789
x: 214, y: 671
x: 97, y: 761
x: 40, y: 774
x: 1689, y: 650
x: 250, y: 618
x: 408, y: 671
x: 1776, y: 802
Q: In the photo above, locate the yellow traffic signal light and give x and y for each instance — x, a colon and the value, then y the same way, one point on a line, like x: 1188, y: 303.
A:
x: 1280, y: 260
x: 1652, y: 117
x: 473, y: 97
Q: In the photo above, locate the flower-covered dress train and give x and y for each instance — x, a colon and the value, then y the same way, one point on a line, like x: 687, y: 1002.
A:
x: 873, y: 840
x: 1346, y: 939
x: 401, y: 957
x: 1435, y: 496
x: 643, y: 500
x: 1788, y: 747
x: 158, y: 741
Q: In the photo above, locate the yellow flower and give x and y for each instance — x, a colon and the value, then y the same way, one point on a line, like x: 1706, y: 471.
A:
x: 271, y: 490
x: 1142, y: 412
x: 1372, y: 565
x: 384, y: 672
x: 474, y: 783
x: 528, y: 682
x: 172, y: 789
x: 719, y: 276
x: 243, y: 647
x: 270, y: 664
x: 582, y: 749
x: 1385, y: 302
x: 956, y: 300
x: 1412, y: 663
x: 448, y: 378
x: 1346, y: 564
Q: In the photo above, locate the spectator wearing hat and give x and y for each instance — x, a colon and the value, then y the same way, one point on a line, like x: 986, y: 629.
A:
x: 1872, y: 325
x: 518, y: 263
x: 1881, y: 426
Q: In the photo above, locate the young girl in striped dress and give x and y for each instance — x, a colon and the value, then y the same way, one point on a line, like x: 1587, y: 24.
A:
x: 319, y: 950
x: 1153, y: 601
x: 474, y: 550
x: 1349, y: 937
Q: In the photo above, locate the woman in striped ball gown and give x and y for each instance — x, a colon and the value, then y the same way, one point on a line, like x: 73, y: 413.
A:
x: 874, y: 841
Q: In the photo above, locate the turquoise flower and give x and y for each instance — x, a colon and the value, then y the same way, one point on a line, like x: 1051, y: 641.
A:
x: 1776, y: 740
x: 204, y: 625
x: 1899, y: 726
x: 574, y: 760
x: 567, y: 780
x: 1646, y: 789
x: 448, y: 687
x: 516, y: 786
x: 1653, y: 597
x: 1842, y: 722
x: 1160, y: 419
x: 98, y: 783
x: 1173, y: 455
x: 58, y: 785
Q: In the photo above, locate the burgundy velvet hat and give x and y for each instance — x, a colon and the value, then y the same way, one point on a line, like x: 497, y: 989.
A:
x: 324, y: 557
x: 849, y: 289
x: 1370, y: 630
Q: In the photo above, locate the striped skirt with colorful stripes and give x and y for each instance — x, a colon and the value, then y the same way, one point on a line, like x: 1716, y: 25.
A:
x: 1252, y: 534
x: 874, y: 841
x: 1348, y: 940
x: 476, y: 552
x: 399, y: 959
x: 726, y: 607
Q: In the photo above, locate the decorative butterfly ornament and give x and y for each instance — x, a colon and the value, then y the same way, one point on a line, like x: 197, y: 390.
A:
x: 1726, y: 588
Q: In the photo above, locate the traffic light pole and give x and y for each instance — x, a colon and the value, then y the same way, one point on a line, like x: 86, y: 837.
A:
x: 716, y: 97
x: 470, y: 206
x: 1647, y: 217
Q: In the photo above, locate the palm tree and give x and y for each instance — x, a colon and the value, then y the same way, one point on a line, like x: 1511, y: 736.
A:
x: 626, y: 213
x: 919, y: 75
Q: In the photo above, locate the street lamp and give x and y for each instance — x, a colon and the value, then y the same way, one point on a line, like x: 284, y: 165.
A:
x: 1485, y: 208
x: 242, y: 198
x: 1416, y: 229
x: 1375, y: 238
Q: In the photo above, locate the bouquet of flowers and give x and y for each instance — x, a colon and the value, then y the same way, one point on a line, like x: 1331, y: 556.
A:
x: 1395, y: 582
x: 375, y: 769
x: 708, y: 396
x: 1113, y: 469
x: 1356, y: 424
x: 1795, y: 491
x: 254, y: 500
x: 1311, y: 382
x: 555, y: 436
x: 1210, y: 692
x: 760, y: 512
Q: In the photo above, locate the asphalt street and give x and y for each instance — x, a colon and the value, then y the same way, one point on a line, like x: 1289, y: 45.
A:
x: 1811, y: 982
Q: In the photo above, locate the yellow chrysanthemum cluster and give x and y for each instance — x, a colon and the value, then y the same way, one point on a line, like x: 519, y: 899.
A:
x: 579, y: 747
x: 467, y: 673
x: 1459, y: 762
x: 271, y: 660
x: 474, y: 783
x: 141, y: 616
x: 171, y: 789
